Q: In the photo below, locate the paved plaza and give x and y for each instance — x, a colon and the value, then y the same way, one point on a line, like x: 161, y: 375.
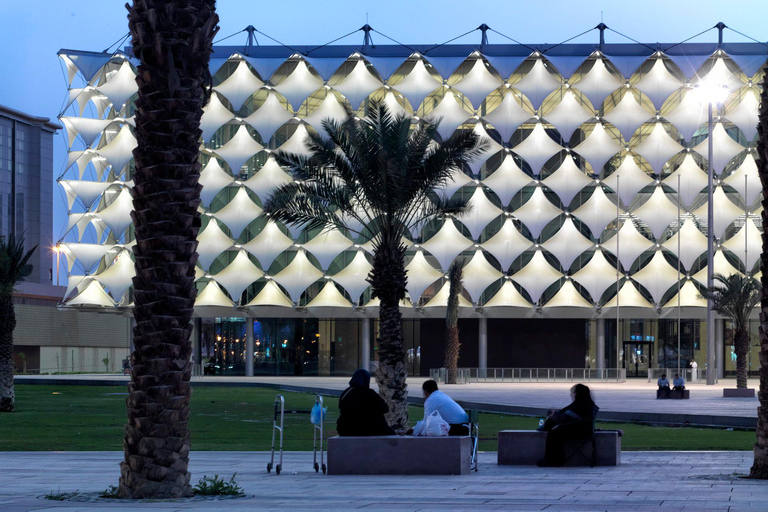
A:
x: 646, y: 481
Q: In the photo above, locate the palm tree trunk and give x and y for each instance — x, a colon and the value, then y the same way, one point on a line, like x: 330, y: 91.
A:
x: 760, y: 465
x: 172, y: 39
x: 452, y: 344
x: 741, y: 347
x: 7, y: 325
x: 388, y: 279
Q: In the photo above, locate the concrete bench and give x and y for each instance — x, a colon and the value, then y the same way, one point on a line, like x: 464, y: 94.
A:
x: 527, y: 447
x: 399, y: 455
x: 677, y: 394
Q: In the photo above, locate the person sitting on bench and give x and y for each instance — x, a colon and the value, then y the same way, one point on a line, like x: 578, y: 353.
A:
x: 573, y: 422
x: 679, y: 384
x: 361, y: 409
x: 663, y: 391
x: 449, y: 410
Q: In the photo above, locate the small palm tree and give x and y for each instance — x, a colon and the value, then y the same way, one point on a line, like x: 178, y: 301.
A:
x: 452, y: 344
x: 379, y: 172
x: 735, y: 297
x: 14, y: 268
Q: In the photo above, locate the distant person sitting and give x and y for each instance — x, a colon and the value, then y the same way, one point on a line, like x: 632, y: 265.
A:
x: 572, y: 422
x: 361, y: 409
x: 678, y: 382
x: 663, y: 391
x: 450, y: 411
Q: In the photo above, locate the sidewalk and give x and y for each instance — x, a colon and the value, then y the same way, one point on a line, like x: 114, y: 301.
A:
x: 646, y: 481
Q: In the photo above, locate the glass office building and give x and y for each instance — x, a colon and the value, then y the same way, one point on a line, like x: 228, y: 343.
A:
x: 586, y: 245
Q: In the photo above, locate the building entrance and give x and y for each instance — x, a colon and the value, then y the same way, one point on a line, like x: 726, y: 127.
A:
x: 637, y: 358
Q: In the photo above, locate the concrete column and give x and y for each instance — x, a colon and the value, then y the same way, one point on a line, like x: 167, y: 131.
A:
x: 482, y: 343
x: 600, y: 355
x: 365, y: 343
x: 249, y: 347
x: 719, y: 355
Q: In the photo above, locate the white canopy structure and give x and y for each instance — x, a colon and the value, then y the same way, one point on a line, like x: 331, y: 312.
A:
x: 358, y: 84
x: 596, y: 276
x: 298, y: 85
x: 537, y: 212
x: 353, y: 277
x: 238, y: 275
x: 567, y: 297
x: 631, y: 244
x: 87, y: 191
x: 238, y: 213
x: 269, y: 177
x: 482, y: 212
x: 596, y: 212
x: 598, y: 147
x: 329, y: 108
x: 724, y: 148
x: 688, y: 180
x: 689, y: 115
x: 215, y: 115
x: 478, y: 83
x: 745, y: 180
x: 120, y: 85
x: 417, y: 84
x: 507, y: 116
x: 88, y: 129
x: 658, y: 212
x: 118, y: 277
x: 270, y: 116
x: 538, y: 83
x: 657, y: 276
x: 271, y: 295
x: 239, y: 86
x: 479, y: 274
x: 329, y: 297
x: 214, y: 179
x: 507, y: 297
x: 119, y: 150
x: 657, y: 147
x: 537, y: 276
x: 268, y: 244
x: 298, y: 275
x: 628, y: 297
x: 507, y: 179
x: 537, y: 148
x: 658, y: 83
x: 492, y: 147
x: 721, y: 266
x: 598, y: 83
x: 567, y: 180
x: 507, y: 244
x: 744, y: 114
x: 725, y: 212
x: 567, y: 244
x: 449, y: 113
x: 690, y: 296
x: 746, y: 244
x: 457, y: 180
x: 568, y: 115
x: 117, y: 215
x: 210, y: 243
x: 239, y: 149
x: 213, y: 295
x: 628, y: 115
x: 296, y: 143
x: 628, y: 180
x: 440, y: 299
x: 446, y: 244
x: 692, y: 244
x: 327, y: 245
x: 87, y: 255
x: 420, y: 275
x: 92, y: 295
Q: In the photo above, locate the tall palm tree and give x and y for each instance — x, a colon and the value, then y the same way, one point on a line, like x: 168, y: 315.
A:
x: 760, y: 465
x: 14, y: 268
x: 173, y: 41
x: 735, y: 297
x: 380, y: 171
x: 452, y: 344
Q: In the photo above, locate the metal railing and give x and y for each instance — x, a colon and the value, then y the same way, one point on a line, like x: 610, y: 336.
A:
x: 688, y: 374
x: 468, y: 375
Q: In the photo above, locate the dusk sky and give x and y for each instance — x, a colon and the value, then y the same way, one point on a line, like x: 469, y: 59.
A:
x: 34, y: 30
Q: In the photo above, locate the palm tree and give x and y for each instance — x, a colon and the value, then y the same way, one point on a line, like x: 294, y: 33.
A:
x: 14, y: 268
x: 173, y: 41
x: 380, y: 171
x: 760, y: 465
x: 452, y: 345
x: 735, y: 297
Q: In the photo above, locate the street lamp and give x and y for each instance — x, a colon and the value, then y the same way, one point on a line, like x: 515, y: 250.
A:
x: 713, y: 94
x: 57, y: 250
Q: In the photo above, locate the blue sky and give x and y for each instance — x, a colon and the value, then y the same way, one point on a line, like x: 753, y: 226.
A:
x: 32, y: 31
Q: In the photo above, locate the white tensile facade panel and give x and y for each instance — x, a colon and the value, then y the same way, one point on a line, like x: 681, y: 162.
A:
x: 597, y: 157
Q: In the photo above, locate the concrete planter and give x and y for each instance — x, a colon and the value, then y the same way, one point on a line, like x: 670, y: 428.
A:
x: 738, y: 392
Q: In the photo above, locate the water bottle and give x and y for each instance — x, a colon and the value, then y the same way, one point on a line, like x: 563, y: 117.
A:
x: 541, y: 422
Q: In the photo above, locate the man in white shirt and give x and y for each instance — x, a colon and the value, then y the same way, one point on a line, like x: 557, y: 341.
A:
x: 450, y: 411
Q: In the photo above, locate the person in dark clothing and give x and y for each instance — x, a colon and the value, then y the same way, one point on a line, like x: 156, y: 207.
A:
x: 572, y: 422
x: 361, y: 409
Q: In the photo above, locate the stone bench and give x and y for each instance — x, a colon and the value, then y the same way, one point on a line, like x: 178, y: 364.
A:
x: 399, y: 455
x: 677, y: 394
x: 527, y: 447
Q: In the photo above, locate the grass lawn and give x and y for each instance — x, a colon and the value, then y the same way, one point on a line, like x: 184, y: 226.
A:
x: 92, y: 418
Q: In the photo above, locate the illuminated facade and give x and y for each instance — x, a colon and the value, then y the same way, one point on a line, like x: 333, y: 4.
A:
x: 595, y: 179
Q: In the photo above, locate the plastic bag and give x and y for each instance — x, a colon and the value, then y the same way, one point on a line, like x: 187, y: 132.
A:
x: 436, y: 426
x: 317, y: 415
x: 418, y: 430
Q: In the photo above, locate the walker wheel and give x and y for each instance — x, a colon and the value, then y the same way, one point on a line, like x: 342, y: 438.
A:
x: 269, y: 467
x: 317, y: 467
x: 278, y: 468
x: 324, y: 468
